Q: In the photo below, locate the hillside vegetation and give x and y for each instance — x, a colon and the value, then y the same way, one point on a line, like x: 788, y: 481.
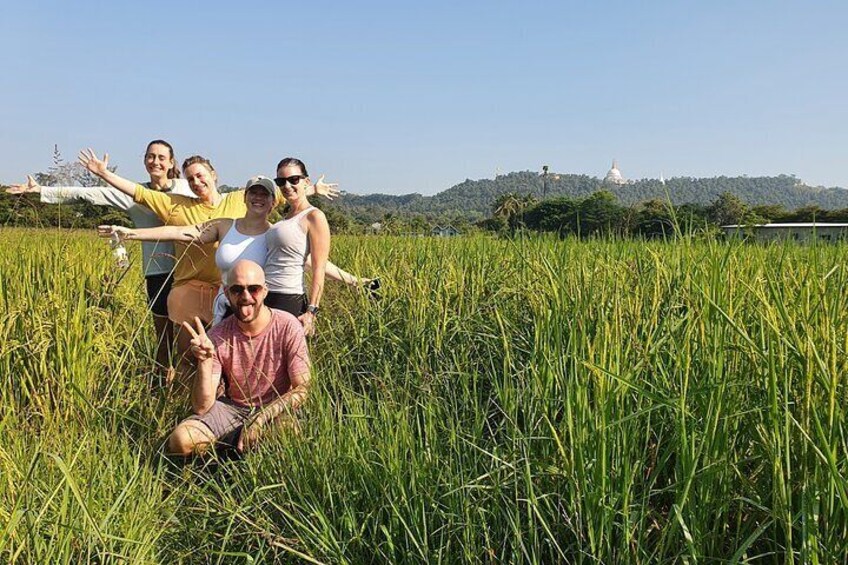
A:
x: 472, y: 199
x: 781, y: 198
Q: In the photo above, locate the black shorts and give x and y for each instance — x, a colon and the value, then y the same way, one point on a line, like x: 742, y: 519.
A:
x: 294, y: 304
x: 158, y: 288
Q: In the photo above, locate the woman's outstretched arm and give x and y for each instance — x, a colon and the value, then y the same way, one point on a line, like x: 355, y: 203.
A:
x: 97, y: 195
x: 329, y: 190
x: 207, y: 232
x: 336, y: 273
x: 100, y: 167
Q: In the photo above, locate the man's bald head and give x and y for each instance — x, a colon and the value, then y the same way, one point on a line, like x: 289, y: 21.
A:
x: 246, y: 272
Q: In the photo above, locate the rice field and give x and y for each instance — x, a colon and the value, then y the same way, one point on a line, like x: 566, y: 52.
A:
x: 530, y: 401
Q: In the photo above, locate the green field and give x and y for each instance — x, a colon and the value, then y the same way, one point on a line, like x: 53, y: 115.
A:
x: 534, y: 401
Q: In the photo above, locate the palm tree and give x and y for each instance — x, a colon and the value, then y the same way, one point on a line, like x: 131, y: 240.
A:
x: 507, y: 205
x: 392, y: 225
x: 511, y: 206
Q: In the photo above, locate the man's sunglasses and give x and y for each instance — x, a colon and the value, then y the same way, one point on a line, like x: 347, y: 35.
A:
x: 237, y: 289
x: 292, y: 180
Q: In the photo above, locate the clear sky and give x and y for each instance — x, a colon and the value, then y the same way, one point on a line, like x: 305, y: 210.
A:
x: 400, y: 97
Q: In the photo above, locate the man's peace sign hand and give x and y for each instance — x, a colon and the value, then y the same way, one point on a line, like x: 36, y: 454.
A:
x: 201, y: 345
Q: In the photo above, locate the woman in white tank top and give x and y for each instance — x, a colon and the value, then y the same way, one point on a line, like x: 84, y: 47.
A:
x: 244, y: 239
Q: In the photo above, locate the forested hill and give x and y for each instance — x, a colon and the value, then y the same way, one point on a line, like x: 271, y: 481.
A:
x: 473, y: 199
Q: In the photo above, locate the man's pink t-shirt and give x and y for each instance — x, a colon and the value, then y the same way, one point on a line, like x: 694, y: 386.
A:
x: 258, y: 369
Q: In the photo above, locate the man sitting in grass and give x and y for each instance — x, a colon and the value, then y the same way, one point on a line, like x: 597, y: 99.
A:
x: 261, y: 354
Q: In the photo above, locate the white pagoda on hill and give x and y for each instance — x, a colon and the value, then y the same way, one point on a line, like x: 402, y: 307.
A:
x: 614, y: 176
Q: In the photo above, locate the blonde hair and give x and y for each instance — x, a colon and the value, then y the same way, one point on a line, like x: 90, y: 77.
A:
x: 195, y: 159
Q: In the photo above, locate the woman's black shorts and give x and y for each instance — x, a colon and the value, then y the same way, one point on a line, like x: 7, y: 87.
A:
x: 294, y: 304
x: 158, y: 288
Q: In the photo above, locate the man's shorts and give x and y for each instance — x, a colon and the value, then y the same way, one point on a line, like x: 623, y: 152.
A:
x: 225, y: 420
x: 158, y: 288
x: 190, y: 299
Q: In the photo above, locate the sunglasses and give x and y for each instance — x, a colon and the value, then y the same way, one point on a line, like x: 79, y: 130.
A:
x: 292, y: 180
x: 237, y: 289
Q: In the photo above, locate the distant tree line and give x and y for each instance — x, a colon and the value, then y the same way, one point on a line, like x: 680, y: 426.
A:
x: 472, y: 199
x: 601, y: 214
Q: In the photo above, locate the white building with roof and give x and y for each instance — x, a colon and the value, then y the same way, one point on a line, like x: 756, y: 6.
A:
x: 799, y: 231
x: 444, y: 231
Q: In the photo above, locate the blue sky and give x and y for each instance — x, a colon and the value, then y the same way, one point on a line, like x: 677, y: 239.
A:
x: 400, y: 97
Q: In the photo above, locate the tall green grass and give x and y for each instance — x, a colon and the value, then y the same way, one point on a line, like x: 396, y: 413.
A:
x: 533, y: 401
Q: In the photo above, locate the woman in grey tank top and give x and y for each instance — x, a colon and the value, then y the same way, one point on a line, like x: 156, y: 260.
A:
x: 303, y: 233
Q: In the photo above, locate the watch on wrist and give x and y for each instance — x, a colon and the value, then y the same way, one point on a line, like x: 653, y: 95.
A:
x: 312, y: 309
